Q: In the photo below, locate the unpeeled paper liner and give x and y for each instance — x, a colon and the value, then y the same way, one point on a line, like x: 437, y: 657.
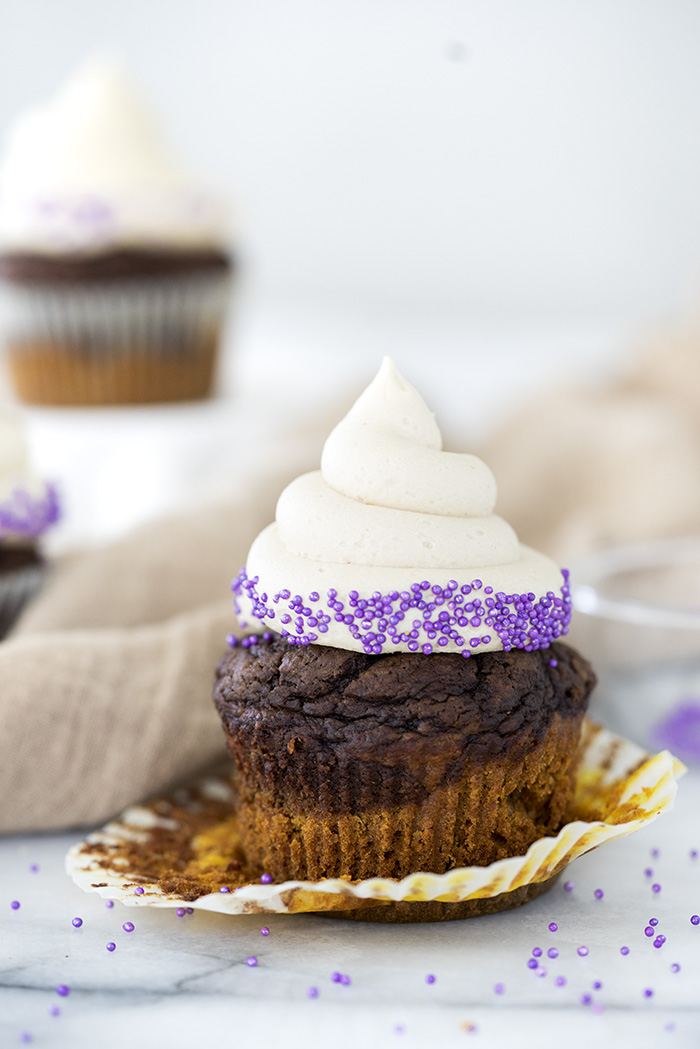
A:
x: 619, y: 789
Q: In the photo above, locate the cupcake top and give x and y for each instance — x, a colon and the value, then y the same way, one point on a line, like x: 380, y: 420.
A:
x: 27, y: 506
x: 89, y: 172
x: 393, y: 546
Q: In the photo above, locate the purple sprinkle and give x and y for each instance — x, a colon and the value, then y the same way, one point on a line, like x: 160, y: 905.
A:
x: 695, y: 919
x: 26, y: 1037
x: 624, y: 950
x: 693, y: 854
x: 312, y: 992
x: 553, y: 663
x: 553, y: 927
x: 598, y: 893
x: 180, y: 912
x: 34, y: 867
x: 655, y: 854
x: 540, y: 971
x: 265, y: 879
x: 224, y: 888
x: 111, y: 946
x: 336, y: 977
x: 532, y: 963
x: 15, y: 905
x: 139, y: 891
x: 63, y: 990
x: 128, y: 926
x: 552, y: 952
x: 560, y: 981
x: 586, y: 999
x: 597, y: 1007
x: 54, y: 1010
x: 189, y: 910
x: 656, y: 887
x: 648, y: 931
x: 670, y: 1026
x: 251, y: 961
x: 654, y: 921
x: 648, y: 872
x: 675, y: 968
x: 109, y: 904
x: 568, y: 886
x: 659, y: 941
x: 582, y: 951
x: 77, y: 922
x: 345, y: 980
x: 499, y: 988
x: 536, y: 952
x: 264, y: 931
x: 430, y: 978
x: 648, y: 992
x: 596, y: 985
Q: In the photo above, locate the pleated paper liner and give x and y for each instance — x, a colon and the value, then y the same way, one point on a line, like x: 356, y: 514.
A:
x: 182, y: 850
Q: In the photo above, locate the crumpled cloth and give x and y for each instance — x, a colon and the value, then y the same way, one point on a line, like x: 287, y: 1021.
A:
x: 105, y: 682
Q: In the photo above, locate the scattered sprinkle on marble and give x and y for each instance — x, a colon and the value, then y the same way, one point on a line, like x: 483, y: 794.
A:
x: 648, y: 992
x: 536, y: 952
x: 596, y: 985
x: 675, y: 968
x: 659, y: 941
x: 655, y: 854
x: 111, y: 946
x: 77, y: 922
x: 15, y: 905
x: 251, y: 961
x: 336, y: 977
x: 598, y: 893
x: 540, y: 971
x: 128, y: 926
x: 648, y: 931
x: 553, y: 927
x: 189, y: 910
x: 63, y: 990
x: 109, y: 904
x: 34, y: 867
x: 648, y: 872
x: 695, y: 919
x: 654, y: 921
x: 624, y: 950
x: 586, y: 999
x: 532, y: 963
x: 264, y: 931
x: 54, y: 1010
x: 345, y: 980
x: 180, y: 912
x: 552, y: 952
x: 582, y: 951
x: 499, y: 988
x: 597, y: 1007
x: 312, y: 992
x: 656, y: 887
x: 693, y: 854
x: 568, y: 886
x: 399, y: 1028
x: 26, y: 1037
x: 430, y: 978
x: 560, y: 981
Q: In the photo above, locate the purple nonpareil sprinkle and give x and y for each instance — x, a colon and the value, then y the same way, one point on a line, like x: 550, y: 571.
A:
x: 63, y: 990
x: 224, y: 888
x: 180, y: 912
x: 654, y: 921
x: 265, y: 879
x: 656, y: 887
x: 695, y: 919
x: 312, y: 992
x: 430, y: 978
x: 598, y: 893
x: 540, y: 971
x: 693, y: 854
x: 34, y: 867
x: 596, y: 985
x: 264, y: 931
x: 111, y: 946
x: 15, y: 905
x: 251, y: 961
x: 109, y: 904
x: 26, y: 1037
x: 560, y: 981
x: 499, y: 988
x: 345, y: 980
x: 582, y: 951
x: 139, y: 890
x: 659, y: 941
x: 336, y: 977
x: 532, y: 963
x: 552, y: 952
x: 648, y: 931
x: 553, y: 927
x: 648, y: 872
x: 189, y: 910
x: 624, y: 950
x: 648, y: 992
x: 536, y: 952
x: 77, y: 922
x: 654, y: 853
x: 675, y: 968
x: 553, y: 663
x: 128, y: 926
x: 54, y: 1010
x: 586, y: 999
x: 568, y: 886
x: 597, y: 1007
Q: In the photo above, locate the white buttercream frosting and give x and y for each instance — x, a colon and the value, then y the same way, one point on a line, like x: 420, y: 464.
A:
x: 390, y: 525
x: 89, y: 170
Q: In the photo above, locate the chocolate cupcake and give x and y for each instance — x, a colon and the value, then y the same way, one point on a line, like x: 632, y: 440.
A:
x: 28, y: 507
x: 404, y: 703
x: 115, y: 261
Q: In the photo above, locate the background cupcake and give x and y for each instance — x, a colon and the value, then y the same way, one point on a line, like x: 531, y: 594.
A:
x: 114, y: 257
x: 27, y: 508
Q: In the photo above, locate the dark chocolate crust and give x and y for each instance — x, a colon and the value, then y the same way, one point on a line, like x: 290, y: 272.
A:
x: 401, y: 708
x: 14, y: 556
x: 118, y: 264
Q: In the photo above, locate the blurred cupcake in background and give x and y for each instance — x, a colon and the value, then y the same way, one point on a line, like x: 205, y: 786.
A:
x: 115, y: 258
x: 28, y: 507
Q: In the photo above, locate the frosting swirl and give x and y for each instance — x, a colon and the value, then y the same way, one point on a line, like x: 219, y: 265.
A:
x: 346, y: 561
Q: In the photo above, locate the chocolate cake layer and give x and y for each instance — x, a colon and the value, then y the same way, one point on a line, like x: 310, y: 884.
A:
x: 357, y: 766
x: 119, y: 264
x: 14, y: 556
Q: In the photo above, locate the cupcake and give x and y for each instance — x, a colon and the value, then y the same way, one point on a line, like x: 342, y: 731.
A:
x: 114, y: 258
x: 28, y: 507
x: 403, y: 701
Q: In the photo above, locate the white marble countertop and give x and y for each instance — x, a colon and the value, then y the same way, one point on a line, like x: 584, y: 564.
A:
x: 184, y: 981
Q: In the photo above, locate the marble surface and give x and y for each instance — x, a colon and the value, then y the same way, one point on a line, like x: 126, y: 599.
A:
x: 184, y: 981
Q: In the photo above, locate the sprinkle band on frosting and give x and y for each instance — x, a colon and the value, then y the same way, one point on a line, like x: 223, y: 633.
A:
x: 25, y: 516
x: 427, y: 617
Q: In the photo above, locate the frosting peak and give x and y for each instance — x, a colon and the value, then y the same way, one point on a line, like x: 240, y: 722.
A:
x: 389, y: 546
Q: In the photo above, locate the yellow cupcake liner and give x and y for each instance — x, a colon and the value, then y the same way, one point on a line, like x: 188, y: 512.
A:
x: 140, y: 860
